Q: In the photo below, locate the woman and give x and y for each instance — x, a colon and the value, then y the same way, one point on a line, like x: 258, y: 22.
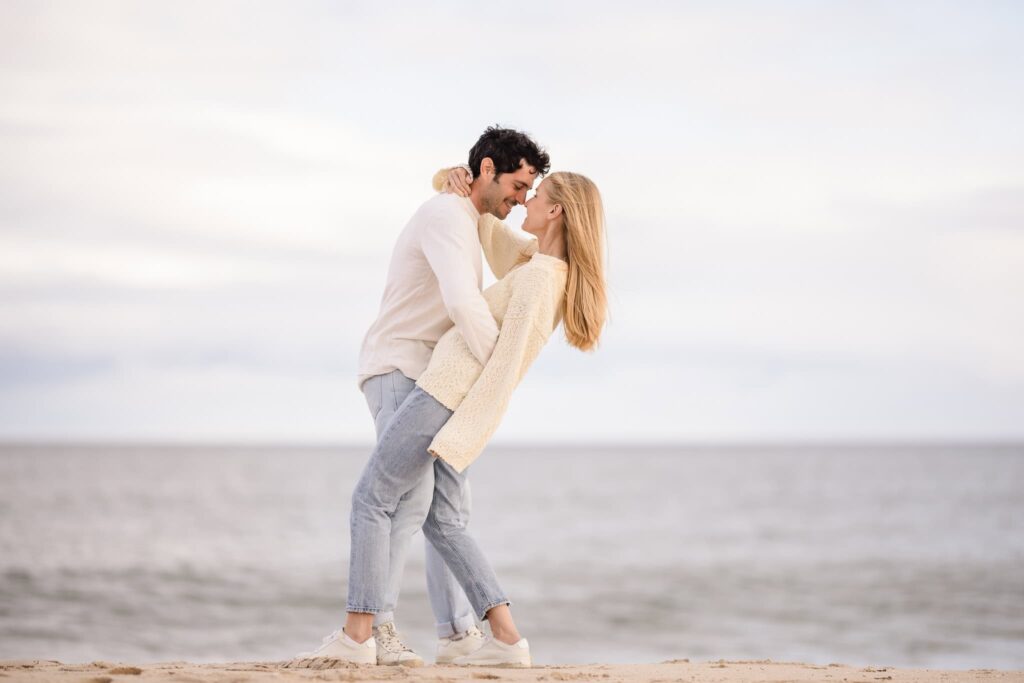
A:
x: 446, y: 421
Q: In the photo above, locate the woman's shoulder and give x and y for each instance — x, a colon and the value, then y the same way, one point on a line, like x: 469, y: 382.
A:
x: 539, y: 268
x: 542, y: 268
x: 540, y: 280
x: 547, y: 262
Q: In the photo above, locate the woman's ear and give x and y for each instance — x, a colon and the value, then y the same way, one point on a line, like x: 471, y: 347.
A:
x: 555, y: 211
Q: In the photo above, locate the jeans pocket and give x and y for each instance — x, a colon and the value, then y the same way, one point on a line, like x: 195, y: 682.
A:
x: 373, y: 390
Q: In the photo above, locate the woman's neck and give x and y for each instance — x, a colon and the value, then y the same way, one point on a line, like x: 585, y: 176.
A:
x: 552, y: 243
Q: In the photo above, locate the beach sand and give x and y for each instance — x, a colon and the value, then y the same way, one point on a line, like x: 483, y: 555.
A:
x: 673, y: 671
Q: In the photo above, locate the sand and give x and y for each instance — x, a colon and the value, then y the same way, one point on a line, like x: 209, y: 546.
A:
x: 673, y: 671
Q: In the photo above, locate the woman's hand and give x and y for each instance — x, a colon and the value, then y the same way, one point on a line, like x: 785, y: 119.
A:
x: 458, y: 182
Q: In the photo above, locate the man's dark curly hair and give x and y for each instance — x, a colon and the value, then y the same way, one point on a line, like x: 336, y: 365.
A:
x: 506, y: 148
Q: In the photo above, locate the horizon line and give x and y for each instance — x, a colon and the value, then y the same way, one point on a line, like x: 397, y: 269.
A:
x: 163, y: 442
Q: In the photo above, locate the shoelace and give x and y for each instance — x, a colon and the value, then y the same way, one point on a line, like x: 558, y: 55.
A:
x: 388, y: 637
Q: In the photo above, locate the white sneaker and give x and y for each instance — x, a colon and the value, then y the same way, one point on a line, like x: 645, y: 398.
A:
x: 496, y: 653
x: 448, y: 649
x: 337, y: 647
x: 390, y: 648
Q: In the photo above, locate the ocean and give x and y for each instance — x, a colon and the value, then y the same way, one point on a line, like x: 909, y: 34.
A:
x: 889, y: 555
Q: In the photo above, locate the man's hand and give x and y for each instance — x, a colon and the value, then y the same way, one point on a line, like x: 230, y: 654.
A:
x: 458, y: 182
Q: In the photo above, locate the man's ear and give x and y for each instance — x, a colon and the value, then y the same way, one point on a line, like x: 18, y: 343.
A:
x: 487, y: 167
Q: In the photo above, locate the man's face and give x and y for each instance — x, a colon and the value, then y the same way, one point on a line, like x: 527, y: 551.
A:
x: 508, y: 189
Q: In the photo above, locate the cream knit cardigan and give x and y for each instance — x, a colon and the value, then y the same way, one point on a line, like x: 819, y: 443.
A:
x: 527, y: 303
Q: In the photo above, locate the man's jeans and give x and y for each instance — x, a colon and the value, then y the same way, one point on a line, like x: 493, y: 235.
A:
x: 384, y: 394
x: 399, y: 465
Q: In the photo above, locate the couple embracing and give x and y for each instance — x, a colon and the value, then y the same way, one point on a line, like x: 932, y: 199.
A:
x: 438, y: 367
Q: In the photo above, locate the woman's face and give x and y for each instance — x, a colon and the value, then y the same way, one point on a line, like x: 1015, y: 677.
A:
x: 540, y: 211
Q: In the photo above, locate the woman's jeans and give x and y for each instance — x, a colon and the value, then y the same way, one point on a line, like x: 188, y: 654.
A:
x: 384, y: 394
x: 387, y: 508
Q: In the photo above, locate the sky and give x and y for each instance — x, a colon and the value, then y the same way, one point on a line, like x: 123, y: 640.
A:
x: 815, y: 212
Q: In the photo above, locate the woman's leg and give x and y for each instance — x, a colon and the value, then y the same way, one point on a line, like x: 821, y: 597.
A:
x: 399, y: 462
x: 445, y: 528
x: 452, y: 611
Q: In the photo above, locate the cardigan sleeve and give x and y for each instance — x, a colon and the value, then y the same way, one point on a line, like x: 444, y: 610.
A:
x: 440, y: 177
x: 524, y: 331
x: 504, y: 247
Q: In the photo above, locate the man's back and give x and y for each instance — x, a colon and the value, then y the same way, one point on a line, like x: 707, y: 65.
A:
x: 433, y: 280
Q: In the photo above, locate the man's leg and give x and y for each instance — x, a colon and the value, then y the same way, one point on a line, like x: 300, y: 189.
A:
x: 384, y: 394
x: 452, y: 611
x: 399, y: 463
x: 386, y: 512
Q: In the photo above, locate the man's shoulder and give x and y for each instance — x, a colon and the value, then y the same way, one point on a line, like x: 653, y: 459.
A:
x: 446, y: 209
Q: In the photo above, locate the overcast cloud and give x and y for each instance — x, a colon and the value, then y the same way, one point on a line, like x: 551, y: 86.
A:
x: 816, y: 211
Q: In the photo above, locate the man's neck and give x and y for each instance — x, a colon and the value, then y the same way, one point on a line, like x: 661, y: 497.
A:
x: 474, y: 196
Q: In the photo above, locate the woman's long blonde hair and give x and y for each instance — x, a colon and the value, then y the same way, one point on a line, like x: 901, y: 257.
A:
x: 586, y: 303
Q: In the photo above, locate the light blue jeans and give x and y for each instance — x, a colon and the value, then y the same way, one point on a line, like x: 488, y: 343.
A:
x: 452, y: 611
x: 398, y: 466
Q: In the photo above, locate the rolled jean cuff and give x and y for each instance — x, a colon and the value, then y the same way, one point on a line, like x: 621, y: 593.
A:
x: 460, y: 625
x: 365, y: 610
x: 491, y: 606
x: 383, y: 617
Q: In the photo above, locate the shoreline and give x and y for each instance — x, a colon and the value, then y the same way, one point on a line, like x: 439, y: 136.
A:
x: 671, y: 671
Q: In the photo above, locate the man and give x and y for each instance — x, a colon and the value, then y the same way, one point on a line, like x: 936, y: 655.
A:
x: 433, y: 282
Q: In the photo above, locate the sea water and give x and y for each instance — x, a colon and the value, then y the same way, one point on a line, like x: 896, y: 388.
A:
x: 899, y: 555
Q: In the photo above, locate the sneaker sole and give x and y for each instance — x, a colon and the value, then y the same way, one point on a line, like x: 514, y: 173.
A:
x: 411, y: 663
x: 451, y: 660
x: 502, y: 665
x: 323, y: 663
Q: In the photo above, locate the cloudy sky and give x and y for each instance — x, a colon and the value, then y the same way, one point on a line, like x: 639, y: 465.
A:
x: 816, y: 211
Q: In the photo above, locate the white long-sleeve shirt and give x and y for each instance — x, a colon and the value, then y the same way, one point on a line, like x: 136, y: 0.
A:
x: 433, y: 281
